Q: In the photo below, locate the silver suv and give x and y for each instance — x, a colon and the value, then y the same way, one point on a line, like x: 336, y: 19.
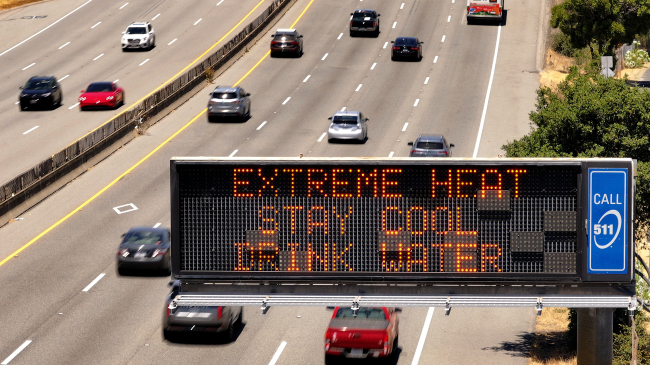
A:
x: 430, y: 145
x: 229, y: 102
x: 139, y: 35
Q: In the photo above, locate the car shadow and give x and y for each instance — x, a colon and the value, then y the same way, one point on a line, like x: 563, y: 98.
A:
x: 228, y: 119
x: 142, y: 272
x: 204, y: 338
x: 348, y: 141
x: 393, y: 359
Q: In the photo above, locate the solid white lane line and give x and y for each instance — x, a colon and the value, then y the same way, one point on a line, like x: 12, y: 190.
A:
x: 277, y: 353
x: 391, y: 154
x: 15, y: 353
x: 322, y: 136
x: 30, y: 130
x: 426, y: 81
x: 96, y: 58
x: 443, y: 39
x: 340, y: 35
x: 487, y: 95
x: 233, y: 153
x: 405, y: 125
x: 145, y: 61
x: 286, y: 100
x: 73, y: 106
x: 401, y: 7
x: 98, y: 23
x: 385, y: 44
x: 261, y: 125
x: 324, y: 57
x: 170, y: 43
x: 98, y: 278
x: 123, y: 6
x: 115, y: 82
x: 64, y: 45
x: 448, y: 18
x: 157, y: 225
x: 435, y: 59
x: 29, y: 66
x: 219, y: 3
x: 416, y: 102
x: 154, y: 18
x: 46, y: 28
x: 373, y: 66
x: 197, y: 22
x: 64, y: 77
x: 394, y: 24
x: 306, y: 78
x: 423, y: 336
x: 358, y: 87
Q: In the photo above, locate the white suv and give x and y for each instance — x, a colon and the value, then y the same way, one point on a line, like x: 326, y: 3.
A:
x: 138, y: 35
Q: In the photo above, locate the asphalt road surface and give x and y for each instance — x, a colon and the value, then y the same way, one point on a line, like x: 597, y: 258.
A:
x: 70, y: 239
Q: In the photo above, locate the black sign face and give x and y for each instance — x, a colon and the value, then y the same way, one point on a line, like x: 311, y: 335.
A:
x: 368, y: 219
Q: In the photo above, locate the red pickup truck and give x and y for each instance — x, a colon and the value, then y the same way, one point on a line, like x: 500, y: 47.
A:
x: 370, y: 333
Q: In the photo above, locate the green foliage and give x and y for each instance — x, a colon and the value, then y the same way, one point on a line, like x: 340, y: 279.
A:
x: 636, y: 57
x: 601, y: 24
x: 592, y: 116
x: 561, y: 43
x: 623, y: 341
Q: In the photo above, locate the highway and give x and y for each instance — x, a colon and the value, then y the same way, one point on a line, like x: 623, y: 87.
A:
x: 70, y: 239
x: 83, y: 46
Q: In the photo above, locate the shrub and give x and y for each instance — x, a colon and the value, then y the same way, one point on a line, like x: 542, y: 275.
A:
x: 561, y: 43
x: 636, y: 57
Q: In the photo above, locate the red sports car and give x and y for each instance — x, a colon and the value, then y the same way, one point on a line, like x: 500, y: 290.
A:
x: 101, y: 94
x: 366, y: 333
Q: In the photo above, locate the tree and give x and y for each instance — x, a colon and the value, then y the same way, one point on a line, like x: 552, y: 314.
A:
x: 592, y: 116
x: 601, y: 24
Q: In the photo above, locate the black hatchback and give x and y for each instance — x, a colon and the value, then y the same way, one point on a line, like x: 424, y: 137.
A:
x: 407, y: 47
x: 39, y: 92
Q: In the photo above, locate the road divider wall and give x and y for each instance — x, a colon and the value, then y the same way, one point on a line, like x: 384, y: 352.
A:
x: 39, y: 177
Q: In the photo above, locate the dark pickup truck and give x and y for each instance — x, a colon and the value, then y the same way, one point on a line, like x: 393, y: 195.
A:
x: 364, y: 21
x: 372, y: 332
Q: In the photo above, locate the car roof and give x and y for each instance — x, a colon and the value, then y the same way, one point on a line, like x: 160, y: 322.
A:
x: 225, y: 89
x: 285, y: 30
x: 405, y: 38
x: 101, y: 83
x: 41, y: 77
x: 430, y: 137
x: 148, y: 229
x: 363, y: 10
x: 138, y: 24
x: 347, y: 112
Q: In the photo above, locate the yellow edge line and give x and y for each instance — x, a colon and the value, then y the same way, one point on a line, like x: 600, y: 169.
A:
x: 175, y: 76
x: 139, y: 162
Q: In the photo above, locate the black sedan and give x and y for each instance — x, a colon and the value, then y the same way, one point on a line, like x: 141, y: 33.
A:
x: 145, y: 248
x: 407, y: 47
x: 41, y: 91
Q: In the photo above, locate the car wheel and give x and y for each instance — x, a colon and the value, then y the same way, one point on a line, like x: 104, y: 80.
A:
x: 248, y: 112
x: 392, y: 57
x: 377, y: 32
x: 240, y: 319
x: 395, y: 344
x: 351, y: 34
x: 229, y: 335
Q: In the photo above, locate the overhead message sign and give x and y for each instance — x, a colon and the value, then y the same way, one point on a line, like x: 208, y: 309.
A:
x: 422, y: 220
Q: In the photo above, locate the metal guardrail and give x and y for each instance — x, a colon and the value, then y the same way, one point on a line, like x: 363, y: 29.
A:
x: 447, y: 301
x: 13, y: 192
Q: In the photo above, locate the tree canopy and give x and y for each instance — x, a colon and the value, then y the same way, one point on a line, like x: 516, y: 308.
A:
x: 601, y: 24
x: 592, y: 116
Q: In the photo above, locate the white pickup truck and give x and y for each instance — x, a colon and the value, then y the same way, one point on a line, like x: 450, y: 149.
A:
x: 484, y: 9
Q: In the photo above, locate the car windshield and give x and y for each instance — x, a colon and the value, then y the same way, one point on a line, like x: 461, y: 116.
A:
x: 364, y: 313
x: 99, y: 87
x: 136, y: 30
x: 406, y: 42
x: 37, y: 85
x: 143, y: 238
x: 224, y: 95
x: 363, y: 14
x: 344, y: 119
x: 429, y: 145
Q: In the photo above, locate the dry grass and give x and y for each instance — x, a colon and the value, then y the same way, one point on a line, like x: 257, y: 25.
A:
x: 549, y: 346
x: 8, y: 4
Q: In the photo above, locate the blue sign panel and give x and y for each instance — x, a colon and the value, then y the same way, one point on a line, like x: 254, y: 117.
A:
x: 608, y: 221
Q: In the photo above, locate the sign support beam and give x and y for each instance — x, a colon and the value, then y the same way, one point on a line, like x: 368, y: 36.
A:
x: 595, y: 336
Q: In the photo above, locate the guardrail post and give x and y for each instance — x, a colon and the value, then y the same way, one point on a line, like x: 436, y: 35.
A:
x: 595, y: 336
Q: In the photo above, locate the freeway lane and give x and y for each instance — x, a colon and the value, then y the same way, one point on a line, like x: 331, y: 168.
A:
x: 119, y: 316
x: 85, y: 47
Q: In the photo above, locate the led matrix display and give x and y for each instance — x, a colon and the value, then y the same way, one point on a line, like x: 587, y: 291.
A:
x: 377, y: 218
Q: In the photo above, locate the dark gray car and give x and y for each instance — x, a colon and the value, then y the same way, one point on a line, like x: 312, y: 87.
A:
x: 41, y: 91
x: 430, y: 145
x: 223, y: 321
x: 145, y: 248
x: 229, y: 102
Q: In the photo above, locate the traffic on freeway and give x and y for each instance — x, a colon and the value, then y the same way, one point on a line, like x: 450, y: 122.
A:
x: 68, y: 302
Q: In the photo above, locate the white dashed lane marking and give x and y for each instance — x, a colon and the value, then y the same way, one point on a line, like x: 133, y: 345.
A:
x: 391, y: 153
x: 443, y: 39
x: 170, y: 43
x: 322, y: 136
x: 15, y: 353
x: 306, y: 78
x: 426, y: 81
x: 64, y: 77
x: 448, y: 18
x: 219, y: 3
x: 233, y: 153
x: 261, y: 125
x: 385, y: 44
x: 401, y: 7
x: 29, y: 66
x: 73, y: 106
x: 64, y: 45
x: 373, y: 66
x: 435, y: 59
x: 416, y: 102
x: 359, y: 87
x: 324, y: 57
x: 157, y: 225
x: 286, y: 100
x: 197, y: 22
x: 145, y: 61
x: 405, y: 125
x: 30, y: 130
x: 121, y: 7
x: 98, y: 278
x: 277, y: 354
x: 154, y: 18
x: 394, y: 24
x: 340, y: 35
x: 98, y: 23
x: 96, y: 58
